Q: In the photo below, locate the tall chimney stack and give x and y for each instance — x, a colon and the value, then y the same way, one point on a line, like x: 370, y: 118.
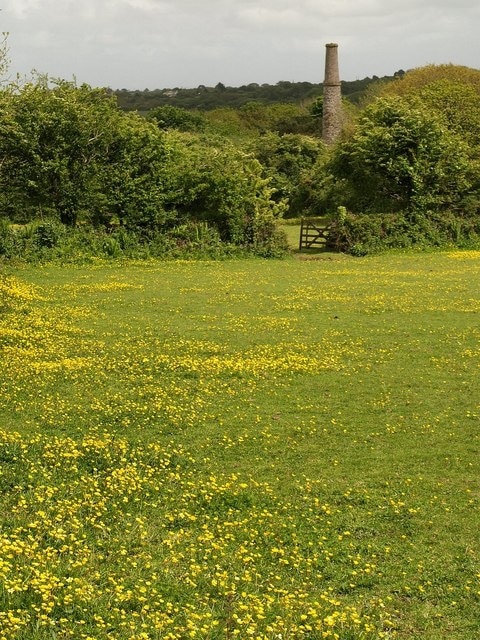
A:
x: 332, y: 96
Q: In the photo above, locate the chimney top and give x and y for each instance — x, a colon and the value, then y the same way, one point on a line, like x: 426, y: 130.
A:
x: 332, y: 77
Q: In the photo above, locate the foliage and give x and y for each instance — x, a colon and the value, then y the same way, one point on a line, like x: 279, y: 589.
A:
x: 416, y: 80
x: 254, y: 119
x: 211, y: 180
x: 207, y: 98
x: 52, y: 143
x: 227, y: 122
x: 279, y: 117
x: 168, y: 117
x: 349, y: 112
x: 286, y: 160
x: 69, y: 155
x: 132, y: 177
x: 47, y: 241
x: 458, y: 106
x: 48, y: 233
x: 450, y: 91
x: 178, y: 178
x: 8, y: 243
x: 400, y: 158
x: 375, y: 232
x: 319, y: 192
x: 408, y: 169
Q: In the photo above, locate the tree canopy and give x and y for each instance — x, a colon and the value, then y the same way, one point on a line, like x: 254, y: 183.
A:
x: 406, y: 166
x: 70, y: 155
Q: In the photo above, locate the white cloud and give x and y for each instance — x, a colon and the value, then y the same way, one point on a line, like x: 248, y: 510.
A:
x: 21, y: 8
x: 262, y: 16
x: 157, y: 43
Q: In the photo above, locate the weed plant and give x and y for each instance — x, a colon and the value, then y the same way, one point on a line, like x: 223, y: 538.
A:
x: 46, y: 241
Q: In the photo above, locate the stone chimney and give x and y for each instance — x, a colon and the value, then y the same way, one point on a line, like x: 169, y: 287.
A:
x: 332, y: 96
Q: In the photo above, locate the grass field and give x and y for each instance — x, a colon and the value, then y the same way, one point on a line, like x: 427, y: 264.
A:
x: 292, y: 231
x: 277, y: 450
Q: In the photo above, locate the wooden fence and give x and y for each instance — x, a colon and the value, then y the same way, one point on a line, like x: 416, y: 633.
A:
x: 313, y: 234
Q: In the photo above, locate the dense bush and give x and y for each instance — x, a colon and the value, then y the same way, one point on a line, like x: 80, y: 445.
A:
x: 280, y: 118
x: 375, y: 232
x: 418, y: 79
x: 8, y: 241
x: 70, y: 157
x: 84, y: 243
x: 407, y: 170
x: 208, y: 179
x: 52, y: 142
x: 254, y: 119
x: 288, y: 160
x: 400, y: 158
x: 168, y: 117
x: 79, y: 175
x: 132, y: 178
x: 449, y: 91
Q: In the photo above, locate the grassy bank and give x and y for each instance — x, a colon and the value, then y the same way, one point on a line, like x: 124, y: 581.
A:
x: 244, y: 449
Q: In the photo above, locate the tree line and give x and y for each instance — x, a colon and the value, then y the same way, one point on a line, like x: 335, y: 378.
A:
x: 79, y: 175
x: 205, y: 98
x: 71, y: 159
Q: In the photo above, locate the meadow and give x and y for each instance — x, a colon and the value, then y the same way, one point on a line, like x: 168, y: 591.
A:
x: 275, y: 450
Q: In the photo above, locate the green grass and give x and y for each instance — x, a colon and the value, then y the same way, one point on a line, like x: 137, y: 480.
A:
x: 292, y: 231
x: 242, y: 449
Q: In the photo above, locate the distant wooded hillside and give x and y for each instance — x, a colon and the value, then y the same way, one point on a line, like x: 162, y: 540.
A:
x: 206, y: 98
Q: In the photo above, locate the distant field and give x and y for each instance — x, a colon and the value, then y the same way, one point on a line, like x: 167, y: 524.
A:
x: 279, y: 450
x: 292, y: 232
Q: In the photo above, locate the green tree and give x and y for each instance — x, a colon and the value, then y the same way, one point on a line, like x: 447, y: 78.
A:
x: 413, y: 81
x: 132, y: 178
x: 401, y: 158
x: 458, y: 105
x: 70, y: 154
x: 51, y: 143
x: 451, y: 91
x: 168, y: 117
x: 227, y: 122
x: 287, y: 159
x: 279, y: 117
x: 207, y: 179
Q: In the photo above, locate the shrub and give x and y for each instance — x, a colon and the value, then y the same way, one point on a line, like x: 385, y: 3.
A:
x: 48, y: 233
x: 207, y: 179
x: 269, y: 241
x: 286, y: 159
x: 168, y: 117
x: 400, y: 158
x: 70, y: 157
x: 52, y: 142
x: 372, y: 233
x: 194, y: 239
x: 8, y: 240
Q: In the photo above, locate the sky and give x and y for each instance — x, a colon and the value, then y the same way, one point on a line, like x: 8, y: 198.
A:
x: 155, y: 44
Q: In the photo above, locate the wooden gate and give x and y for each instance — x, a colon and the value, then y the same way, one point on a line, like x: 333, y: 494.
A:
x: 313, y: 233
